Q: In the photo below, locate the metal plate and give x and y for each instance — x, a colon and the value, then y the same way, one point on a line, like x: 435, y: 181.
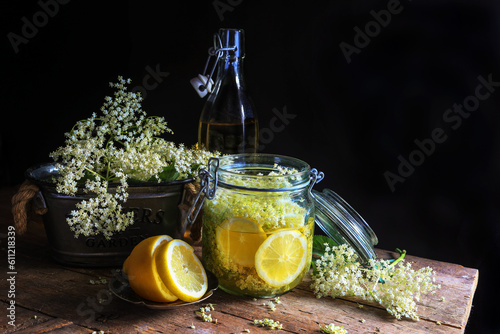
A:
x: 120, y: 287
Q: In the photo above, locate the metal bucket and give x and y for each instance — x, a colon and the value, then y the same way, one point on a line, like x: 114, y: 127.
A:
x: 155, y: 207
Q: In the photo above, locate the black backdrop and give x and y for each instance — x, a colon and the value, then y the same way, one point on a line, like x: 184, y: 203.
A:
x: 361, y: 83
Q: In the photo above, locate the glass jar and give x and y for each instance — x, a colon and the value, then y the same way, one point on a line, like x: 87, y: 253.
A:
x: 259, y: 225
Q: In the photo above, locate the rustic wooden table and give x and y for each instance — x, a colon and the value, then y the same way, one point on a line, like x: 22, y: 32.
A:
x: 50, y: 297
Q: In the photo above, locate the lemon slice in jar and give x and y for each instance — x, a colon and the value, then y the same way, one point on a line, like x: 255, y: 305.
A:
x: 239, y: 238
x: 281, y: 257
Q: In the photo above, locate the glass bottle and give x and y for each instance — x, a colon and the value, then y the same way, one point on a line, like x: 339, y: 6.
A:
x: 228, y: 122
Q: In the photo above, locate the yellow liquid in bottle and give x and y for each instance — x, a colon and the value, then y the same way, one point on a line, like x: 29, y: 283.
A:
x: 229, y: 138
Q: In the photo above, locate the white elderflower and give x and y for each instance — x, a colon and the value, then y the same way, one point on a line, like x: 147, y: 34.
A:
x: 120, y: 146
x: 396, y: 287
x: 271, y: 306
x: 332, y: 329
x: 269, y: 323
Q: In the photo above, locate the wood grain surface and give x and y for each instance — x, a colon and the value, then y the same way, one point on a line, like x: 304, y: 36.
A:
x: 54, y: 298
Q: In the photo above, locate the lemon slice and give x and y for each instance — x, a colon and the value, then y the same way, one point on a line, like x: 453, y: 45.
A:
x: 239, y: 238
x: 142, y: 273
x: 281, y: 257
x: 181, y: 270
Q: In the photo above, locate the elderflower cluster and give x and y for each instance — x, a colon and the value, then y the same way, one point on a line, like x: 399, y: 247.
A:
x: 333, y: 329
x: 269, y: 323
x: 271, y: 304
x: 119, y: 146
x: 205, y: 316
x: 397, y: 288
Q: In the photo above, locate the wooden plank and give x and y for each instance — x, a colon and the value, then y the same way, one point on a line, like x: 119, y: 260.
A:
x: 58, y: 276
x: 450, y: 305
x: 300, y: 311
x: 24, y: 318
x: 55, y: 326
x: 31, y: 322
x: 64, y: 300
x: 54, y: 290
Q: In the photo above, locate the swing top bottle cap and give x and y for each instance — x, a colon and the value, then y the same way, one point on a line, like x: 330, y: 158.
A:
x: 233, y: 38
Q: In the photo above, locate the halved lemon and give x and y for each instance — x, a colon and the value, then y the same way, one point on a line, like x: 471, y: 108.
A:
x: 281, y: 257
x: 181, y: 270
x: 142, y: 272
x: 239, y: 238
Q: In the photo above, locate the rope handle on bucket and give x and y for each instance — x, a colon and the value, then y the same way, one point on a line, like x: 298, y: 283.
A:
x: 23, y: 206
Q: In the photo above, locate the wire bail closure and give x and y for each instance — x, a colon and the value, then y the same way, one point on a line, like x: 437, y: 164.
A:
x: 203, y: 84
x: 208, y: 181
x: 315, y: 177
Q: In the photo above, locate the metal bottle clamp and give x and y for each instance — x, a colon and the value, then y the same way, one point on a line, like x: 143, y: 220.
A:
x: 203, y: 84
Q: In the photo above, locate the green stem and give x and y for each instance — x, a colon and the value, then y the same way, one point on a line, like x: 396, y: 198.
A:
x: 110, y: 139
x: 84, y: 120
x: 107, y: 170
x: 95, y: 173
x: 402, y: 254
x: 108, y: 179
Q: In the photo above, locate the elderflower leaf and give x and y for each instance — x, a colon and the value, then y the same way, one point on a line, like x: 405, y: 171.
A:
x: 168, y: 173
x: 320, y: 242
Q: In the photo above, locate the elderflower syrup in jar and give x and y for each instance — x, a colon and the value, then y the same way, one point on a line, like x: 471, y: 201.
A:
x: 258, y: 223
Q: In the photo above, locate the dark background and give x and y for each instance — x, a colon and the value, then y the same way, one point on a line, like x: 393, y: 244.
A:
x: 351, y: 120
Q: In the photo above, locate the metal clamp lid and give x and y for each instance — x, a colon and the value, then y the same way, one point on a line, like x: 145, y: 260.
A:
x: 208, y: 180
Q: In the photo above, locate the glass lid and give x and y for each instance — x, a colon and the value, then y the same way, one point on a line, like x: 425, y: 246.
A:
x: 343, y: 224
